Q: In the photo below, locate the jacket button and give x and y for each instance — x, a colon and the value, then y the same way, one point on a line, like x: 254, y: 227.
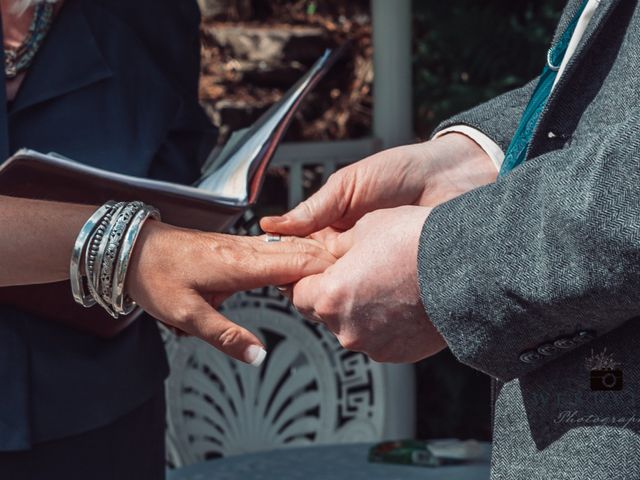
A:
x: 547, y: 349
x: 530, y: 356
x: 564, y: 343
x: 584, y: 336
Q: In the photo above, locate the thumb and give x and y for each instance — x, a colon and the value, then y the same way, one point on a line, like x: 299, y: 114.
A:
x: 322, y: 209
x: 204, y: 322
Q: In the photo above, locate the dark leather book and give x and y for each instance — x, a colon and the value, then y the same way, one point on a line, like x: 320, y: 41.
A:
x: 230, y: 182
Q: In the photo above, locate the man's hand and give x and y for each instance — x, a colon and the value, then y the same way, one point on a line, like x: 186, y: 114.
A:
x: 425, y: 174
x: 369, y: 298
x: 181, y: 276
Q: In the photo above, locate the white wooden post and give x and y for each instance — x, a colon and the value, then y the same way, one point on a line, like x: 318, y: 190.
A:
x: 393, y: 126
x: 392, y: 95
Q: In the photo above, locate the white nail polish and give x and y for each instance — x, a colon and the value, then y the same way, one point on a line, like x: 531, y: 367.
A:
x: 255, y: 355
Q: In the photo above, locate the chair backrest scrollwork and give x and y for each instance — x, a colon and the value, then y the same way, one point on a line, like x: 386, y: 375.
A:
x: 309, y: 390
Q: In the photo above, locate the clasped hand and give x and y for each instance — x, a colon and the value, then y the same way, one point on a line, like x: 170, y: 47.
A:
x: 369, y: 298
x: 349, y: 254
x: 370, y: 216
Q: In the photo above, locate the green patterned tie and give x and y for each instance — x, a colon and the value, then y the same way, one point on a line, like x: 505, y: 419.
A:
x: 517, y: 151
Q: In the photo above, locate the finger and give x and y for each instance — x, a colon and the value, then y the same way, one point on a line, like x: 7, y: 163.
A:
x: 305, y: 296
x: 289, y: 244
x: 302, y: 247
x: 278, y: 269
x: 339, y: 245
x: 325, y: 235
x: 305, y: 256
x: 214, y: 328
x: 254, y: 263
x: 320, y: 210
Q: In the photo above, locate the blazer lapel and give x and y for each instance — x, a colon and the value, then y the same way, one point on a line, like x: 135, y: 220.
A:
x: 600, y: 16
x: 68, y: 60
x: 597, y: 22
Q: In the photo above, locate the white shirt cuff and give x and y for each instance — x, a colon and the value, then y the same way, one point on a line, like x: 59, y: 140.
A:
x: 489, y: 146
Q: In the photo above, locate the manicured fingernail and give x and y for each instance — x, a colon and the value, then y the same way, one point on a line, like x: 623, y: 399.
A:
x: 277, y: 220
x: 255, y: 355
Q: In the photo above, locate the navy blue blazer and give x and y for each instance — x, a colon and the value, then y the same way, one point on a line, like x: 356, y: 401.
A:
x: 114, y: 86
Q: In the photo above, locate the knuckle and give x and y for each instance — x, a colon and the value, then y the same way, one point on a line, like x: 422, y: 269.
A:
x: 230, y: 337
x: 302, y: 247
x: 327, y: 307
x: 307, y: 208
x: 334, y: 300
x: 304, y: 261
x: 351, y: 342
x: 306, y: 312
x: 297, y: 261
x: 184, y: 315
x: 335, y: 179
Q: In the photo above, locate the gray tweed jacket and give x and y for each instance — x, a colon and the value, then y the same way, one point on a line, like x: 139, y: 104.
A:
x: 535, y: 280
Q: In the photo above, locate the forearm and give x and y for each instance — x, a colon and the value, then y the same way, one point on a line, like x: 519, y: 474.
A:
x: 455, y: 165
x: 549, y: 251
x: 36, y: 239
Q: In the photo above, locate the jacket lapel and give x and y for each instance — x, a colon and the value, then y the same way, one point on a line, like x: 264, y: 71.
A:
x: 68, y: 60
x: 595, y: 25
x: 600, y: 16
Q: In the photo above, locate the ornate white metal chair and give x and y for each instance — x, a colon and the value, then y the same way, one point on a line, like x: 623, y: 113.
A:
x: 308, y: 391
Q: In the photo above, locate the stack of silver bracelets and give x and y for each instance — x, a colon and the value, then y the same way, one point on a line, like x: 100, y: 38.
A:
x: 102, y: 252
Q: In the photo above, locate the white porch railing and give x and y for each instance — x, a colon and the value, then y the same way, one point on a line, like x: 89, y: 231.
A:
x: 331, y: 155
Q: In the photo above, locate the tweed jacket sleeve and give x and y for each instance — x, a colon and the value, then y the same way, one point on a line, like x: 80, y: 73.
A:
x: 497, y: 118
x: 519, y: 267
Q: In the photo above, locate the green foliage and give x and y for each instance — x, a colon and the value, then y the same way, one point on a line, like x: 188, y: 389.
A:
x: 468, y: 51
x: 311, y: 8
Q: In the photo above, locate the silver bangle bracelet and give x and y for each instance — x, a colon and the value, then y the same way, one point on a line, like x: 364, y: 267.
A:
x: 104, y: 247
x: 77, y: 288
x: 110, y: 254
x: 94, y: 272
x: 121, y: 303
x: 96, y: 238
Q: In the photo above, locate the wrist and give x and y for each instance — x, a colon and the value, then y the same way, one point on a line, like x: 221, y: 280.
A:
x: 456, y: 165
x: 147, y: 250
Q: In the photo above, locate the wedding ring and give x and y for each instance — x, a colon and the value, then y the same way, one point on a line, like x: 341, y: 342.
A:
x: 272, y: 238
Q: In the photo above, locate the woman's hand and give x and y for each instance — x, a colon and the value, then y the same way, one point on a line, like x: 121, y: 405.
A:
x: 181, y: 276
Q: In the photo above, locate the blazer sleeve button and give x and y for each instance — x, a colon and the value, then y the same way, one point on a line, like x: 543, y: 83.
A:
x: 530, y: 356
x: 564, y: 343
x: 584, y: 336
x: 547, y: 349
